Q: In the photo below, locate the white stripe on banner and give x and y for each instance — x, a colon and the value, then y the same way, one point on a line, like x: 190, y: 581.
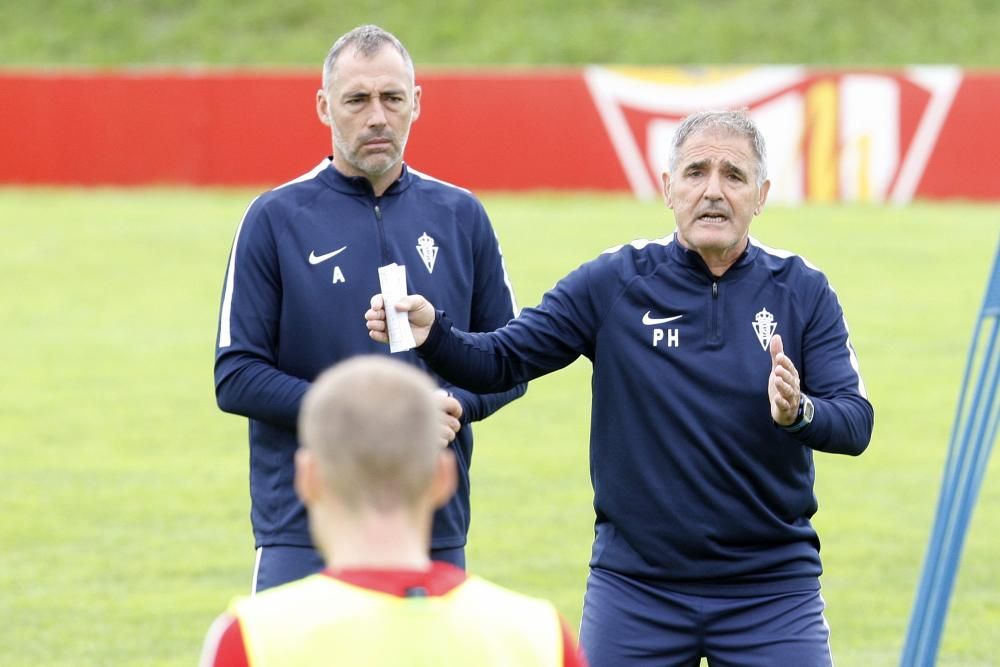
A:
x: 942, y: 83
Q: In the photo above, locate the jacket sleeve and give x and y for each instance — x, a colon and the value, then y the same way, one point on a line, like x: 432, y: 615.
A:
x: 540, y: 340
x: 493, y: 305
x: 830, y: 376
x: 247, y: 380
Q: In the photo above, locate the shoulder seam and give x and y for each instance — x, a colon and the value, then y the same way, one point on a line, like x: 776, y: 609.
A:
x: 427, y: 177
x: 309, y: 175
x: 784, y: 254
x: 639, y: 244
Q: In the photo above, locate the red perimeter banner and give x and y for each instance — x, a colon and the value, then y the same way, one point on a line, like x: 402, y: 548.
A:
x: 833, y: 135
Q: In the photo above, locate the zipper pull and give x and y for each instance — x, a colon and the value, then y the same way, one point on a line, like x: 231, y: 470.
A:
x: 715, y: 289
x: 378, y: 212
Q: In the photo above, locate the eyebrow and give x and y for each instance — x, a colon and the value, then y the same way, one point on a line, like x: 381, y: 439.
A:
x: 726, y: 165
x: 361, y: 93
x: 700, y: 164
x: 732, y: 168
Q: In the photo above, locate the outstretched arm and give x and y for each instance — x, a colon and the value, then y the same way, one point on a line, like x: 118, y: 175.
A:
x: 421, y: 318
x: 540, y: 340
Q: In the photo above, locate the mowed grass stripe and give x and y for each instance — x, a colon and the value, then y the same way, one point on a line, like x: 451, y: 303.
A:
x: 123, y: 490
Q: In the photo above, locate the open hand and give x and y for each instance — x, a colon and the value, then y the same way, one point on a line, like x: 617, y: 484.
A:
x: 783, y: 385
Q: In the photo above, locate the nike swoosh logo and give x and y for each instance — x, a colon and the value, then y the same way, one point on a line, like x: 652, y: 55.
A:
x: 316, y: 259
x: 646, y: 319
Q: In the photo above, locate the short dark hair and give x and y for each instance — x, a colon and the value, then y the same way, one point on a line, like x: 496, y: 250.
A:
x: 367, y: 41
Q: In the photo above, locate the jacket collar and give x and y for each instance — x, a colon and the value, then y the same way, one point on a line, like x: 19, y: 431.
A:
x: 692, y: 260
x: 359, y: 185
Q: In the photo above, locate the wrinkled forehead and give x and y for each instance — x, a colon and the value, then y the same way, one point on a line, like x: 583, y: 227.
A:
x: 717, y: 145
x: 384, y: 69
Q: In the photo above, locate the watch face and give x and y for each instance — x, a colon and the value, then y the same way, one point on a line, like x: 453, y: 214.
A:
x: 807, y: 411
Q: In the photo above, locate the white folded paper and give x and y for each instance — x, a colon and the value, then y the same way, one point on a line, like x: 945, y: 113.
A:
x: 392, y: 280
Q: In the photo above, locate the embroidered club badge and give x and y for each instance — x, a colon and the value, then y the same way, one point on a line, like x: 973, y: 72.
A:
x: 764, y: 326
x: 428, y: 251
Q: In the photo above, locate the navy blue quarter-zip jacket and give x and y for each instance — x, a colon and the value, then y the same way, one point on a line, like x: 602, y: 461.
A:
x: 302, y: 269
x: 694, y: 484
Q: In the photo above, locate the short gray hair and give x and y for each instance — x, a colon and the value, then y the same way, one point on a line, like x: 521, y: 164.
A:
x: 367, y: 41
x: 736, y: 122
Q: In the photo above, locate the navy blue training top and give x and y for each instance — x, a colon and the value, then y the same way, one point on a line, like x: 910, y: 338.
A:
x: 694, y: 484
x: 303, y: 267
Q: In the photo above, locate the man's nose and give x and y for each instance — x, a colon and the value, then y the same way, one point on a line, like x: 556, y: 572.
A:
x: 713, y: 187
x: 377, y: 116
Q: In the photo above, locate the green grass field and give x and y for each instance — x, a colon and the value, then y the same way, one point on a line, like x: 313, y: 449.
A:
x: 514, y: 32
x: 123, y: 490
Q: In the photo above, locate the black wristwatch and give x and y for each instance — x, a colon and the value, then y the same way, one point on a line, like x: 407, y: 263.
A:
x: 804, y: 416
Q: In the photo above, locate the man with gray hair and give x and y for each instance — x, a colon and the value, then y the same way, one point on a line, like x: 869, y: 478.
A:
x: 307, y: 254
x: 372, y: 471
x: 720, y: 366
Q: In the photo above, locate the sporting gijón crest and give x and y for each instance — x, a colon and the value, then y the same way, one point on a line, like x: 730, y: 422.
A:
x: 764, y: 326
x: 427, y: 250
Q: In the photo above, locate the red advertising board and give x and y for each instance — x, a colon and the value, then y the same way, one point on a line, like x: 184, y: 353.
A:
x: 833, y: 135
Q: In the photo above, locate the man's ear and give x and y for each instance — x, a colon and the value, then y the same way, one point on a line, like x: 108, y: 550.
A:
x: 307, y: 476
x: 323, y: 107
x: 665, y: 177
x: 765, y: 186
x: 416, y: 103
x: 445, y: 480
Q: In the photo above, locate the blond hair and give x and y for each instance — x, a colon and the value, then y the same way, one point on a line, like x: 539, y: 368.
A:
x: 372, y: 423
